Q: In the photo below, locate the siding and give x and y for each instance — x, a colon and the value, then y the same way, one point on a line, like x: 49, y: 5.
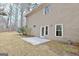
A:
x: 66, y: 14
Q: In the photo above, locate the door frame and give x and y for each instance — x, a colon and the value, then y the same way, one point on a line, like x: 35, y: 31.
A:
x: 44, y: 31
x: 41, y: 31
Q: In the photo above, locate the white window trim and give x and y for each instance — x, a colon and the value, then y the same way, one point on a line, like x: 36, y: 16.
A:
x: 44, y: 10
x: 55, y: 30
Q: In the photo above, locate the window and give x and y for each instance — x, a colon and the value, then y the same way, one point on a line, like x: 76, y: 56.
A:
x: 46, y: 30
x: 42, y: 31
x: 59, y: 30
x: 46, y: 10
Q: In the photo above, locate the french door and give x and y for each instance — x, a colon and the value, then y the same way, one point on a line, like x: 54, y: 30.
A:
x: 44, y: 31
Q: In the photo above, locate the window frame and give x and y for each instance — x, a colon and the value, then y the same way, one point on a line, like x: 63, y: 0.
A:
x: 58, y: 30
x: 48, y: 30
x: 46, y: 10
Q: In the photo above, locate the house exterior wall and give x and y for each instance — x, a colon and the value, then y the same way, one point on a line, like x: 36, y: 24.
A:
x: 66, y: 14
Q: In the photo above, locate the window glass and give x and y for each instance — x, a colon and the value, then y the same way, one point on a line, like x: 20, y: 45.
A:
x: 46, y: 10
x: 58, y: 30
x: 46, y: 30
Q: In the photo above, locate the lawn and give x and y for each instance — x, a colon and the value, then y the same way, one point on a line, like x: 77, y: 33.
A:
x: 11, y: 43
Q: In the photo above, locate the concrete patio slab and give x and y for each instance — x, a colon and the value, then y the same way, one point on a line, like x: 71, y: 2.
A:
x: 35, y: 40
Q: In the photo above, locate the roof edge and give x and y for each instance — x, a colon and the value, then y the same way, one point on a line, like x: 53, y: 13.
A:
x: 35, y: 10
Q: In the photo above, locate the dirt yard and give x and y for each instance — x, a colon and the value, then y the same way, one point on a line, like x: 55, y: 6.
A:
x: 11, y: 43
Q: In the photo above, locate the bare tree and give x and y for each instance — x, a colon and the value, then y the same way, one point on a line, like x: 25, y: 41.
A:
x: 15, y: 13
x: 23, y: 7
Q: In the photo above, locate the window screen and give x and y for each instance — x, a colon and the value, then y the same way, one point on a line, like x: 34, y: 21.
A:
x: 59, y: 30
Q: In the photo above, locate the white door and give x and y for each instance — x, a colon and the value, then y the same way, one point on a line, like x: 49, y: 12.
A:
x: 44, y: 31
